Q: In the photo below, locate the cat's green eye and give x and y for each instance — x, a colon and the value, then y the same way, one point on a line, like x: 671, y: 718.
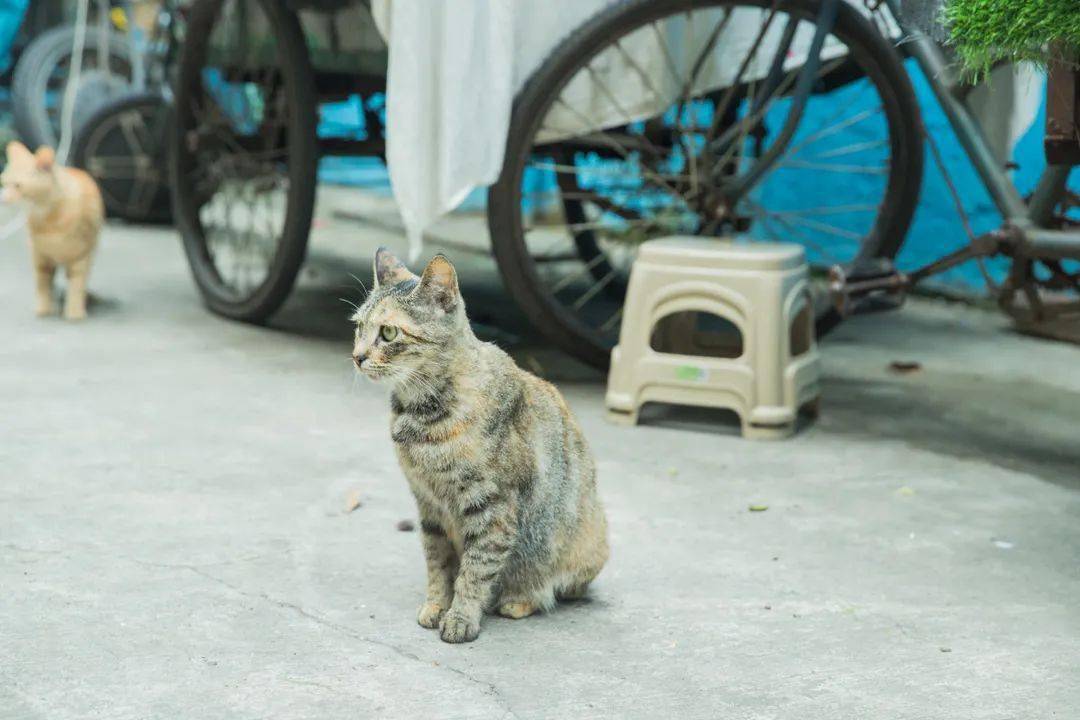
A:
x: 388, y: 333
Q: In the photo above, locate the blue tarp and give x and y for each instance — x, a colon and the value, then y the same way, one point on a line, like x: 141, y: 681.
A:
x: 11, y: 18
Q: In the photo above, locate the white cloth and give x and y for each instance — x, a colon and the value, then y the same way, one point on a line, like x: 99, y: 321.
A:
x: 454, y: 68
x: 456, y: 65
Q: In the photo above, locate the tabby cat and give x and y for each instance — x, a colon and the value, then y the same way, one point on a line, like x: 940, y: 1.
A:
x: 503, y: 479
x: 65, y: 216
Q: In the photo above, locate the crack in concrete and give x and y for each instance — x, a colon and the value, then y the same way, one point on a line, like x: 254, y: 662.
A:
x: 488, y: 688
x: 33, y: 551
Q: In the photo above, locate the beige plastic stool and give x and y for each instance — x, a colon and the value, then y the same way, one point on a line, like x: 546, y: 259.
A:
x: 667, y: 353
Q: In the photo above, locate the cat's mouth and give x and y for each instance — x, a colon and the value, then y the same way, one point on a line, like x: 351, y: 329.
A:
x: 373, y: 372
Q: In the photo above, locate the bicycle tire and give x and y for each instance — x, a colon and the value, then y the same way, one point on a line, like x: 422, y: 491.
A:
x: 145, y: 197
x: 30, y: 80
x: 302, y: 159
x: 531, y: 103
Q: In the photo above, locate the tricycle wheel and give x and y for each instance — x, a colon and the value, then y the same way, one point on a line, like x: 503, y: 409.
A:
x: 656, y: 118
x: 123, y: 147
x: 243, y: 153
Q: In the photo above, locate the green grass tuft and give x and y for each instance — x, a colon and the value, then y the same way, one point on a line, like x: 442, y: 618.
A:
x: 985, y: 31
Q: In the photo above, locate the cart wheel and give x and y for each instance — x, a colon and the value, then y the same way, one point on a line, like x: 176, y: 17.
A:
x: 39, y: 82
x: 635, y: 128
x: 123, y: 146
x: 243, y: 153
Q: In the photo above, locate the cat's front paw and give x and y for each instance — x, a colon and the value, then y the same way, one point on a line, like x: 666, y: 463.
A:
x: 75, y: 314
x: 457, y: 627
x: 43, y: 309
x: 430, y: 614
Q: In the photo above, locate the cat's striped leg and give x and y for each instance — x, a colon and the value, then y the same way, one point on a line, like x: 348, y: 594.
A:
x: 441, y: 569
x: 489, y: 530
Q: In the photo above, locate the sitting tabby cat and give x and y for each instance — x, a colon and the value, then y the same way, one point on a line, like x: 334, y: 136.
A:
x: 503, y: 479
x: 66, y: 215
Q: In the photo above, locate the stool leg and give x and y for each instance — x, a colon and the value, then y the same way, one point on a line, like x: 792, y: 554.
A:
x: 767, y: 432
x: 618, y: 417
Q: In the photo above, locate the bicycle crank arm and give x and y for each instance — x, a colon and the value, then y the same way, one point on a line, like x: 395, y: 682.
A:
x: 867, y: 289
x: 876, y: 286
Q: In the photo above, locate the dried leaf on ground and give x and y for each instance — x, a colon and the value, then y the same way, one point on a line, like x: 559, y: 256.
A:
x: 352, y: 501
x: 903, y: 367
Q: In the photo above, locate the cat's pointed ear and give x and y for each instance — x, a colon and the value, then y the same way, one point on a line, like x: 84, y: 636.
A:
x: 44, y: 158
x: 16, y: 150
x: 388, y: 270
x: 439, y: 283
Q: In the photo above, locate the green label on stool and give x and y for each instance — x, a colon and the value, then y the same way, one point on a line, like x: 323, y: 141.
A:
x: 690, y: 373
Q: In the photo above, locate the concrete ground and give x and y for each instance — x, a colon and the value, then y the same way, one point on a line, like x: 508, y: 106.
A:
x: 174, y: 541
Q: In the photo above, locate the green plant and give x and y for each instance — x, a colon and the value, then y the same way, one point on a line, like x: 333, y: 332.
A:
x: 985, y: 31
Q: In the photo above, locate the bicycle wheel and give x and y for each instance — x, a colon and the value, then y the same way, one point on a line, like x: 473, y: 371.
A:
x: 40, y: 78
x: 243, y: 153
x: 123, y: 147
x: 592, y: 168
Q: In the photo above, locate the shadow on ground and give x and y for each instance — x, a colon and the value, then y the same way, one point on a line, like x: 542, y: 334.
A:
x: 1022, y: 426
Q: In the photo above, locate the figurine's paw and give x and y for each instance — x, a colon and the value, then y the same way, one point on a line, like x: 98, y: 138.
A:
x: 430, y: 614
x: 457, y: 627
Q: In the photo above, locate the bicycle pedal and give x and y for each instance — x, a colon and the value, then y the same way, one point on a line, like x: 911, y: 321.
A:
x: 870, y: 287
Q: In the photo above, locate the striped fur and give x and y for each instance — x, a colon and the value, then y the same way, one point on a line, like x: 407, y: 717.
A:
x: 503, y: 478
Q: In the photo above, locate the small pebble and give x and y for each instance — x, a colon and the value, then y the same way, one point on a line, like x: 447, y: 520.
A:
x: 352, y: 501
x: 768, y: 607
x: 406, y: 525
x: 945, y: 649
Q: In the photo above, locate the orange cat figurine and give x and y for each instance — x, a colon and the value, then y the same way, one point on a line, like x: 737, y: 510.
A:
x: 65, y: 217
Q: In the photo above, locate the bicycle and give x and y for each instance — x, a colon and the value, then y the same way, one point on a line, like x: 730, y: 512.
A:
x: 687, y: 144
x: 123, y: 144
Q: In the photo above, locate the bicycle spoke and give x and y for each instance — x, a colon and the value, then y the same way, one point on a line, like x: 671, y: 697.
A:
x: 621, y: 150
x: 596, y: 288
x: 850, y: 149
x: 826, y: 167
x: 834, y: 129
x: 609, y: 324
x: 699, y: 63
x: 821, y: 226
x: 725, y: 103
x: 830, y: 210
x: 581, y: 272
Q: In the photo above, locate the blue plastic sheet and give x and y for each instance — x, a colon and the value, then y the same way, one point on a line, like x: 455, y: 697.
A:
x: 11, y: 18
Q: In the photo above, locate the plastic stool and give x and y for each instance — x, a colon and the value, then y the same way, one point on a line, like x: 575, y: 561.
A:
x: 670, y: 350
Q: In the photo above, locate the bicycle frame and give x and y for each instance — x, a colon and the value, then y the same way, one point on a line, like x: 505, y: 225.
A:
x: 1024, y: 217
x: 1023, y: 234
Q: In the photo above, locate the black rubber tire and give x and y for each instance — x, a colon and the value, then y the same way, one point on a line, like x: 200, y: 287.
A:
x: 156, y: 205
x: 31, y: 78
x: 299, y: 85
x: 532, y: 103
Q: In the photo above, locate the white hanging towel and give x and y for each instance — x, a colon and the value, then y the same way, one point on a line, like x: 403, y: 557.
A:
x: 454, y: 68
